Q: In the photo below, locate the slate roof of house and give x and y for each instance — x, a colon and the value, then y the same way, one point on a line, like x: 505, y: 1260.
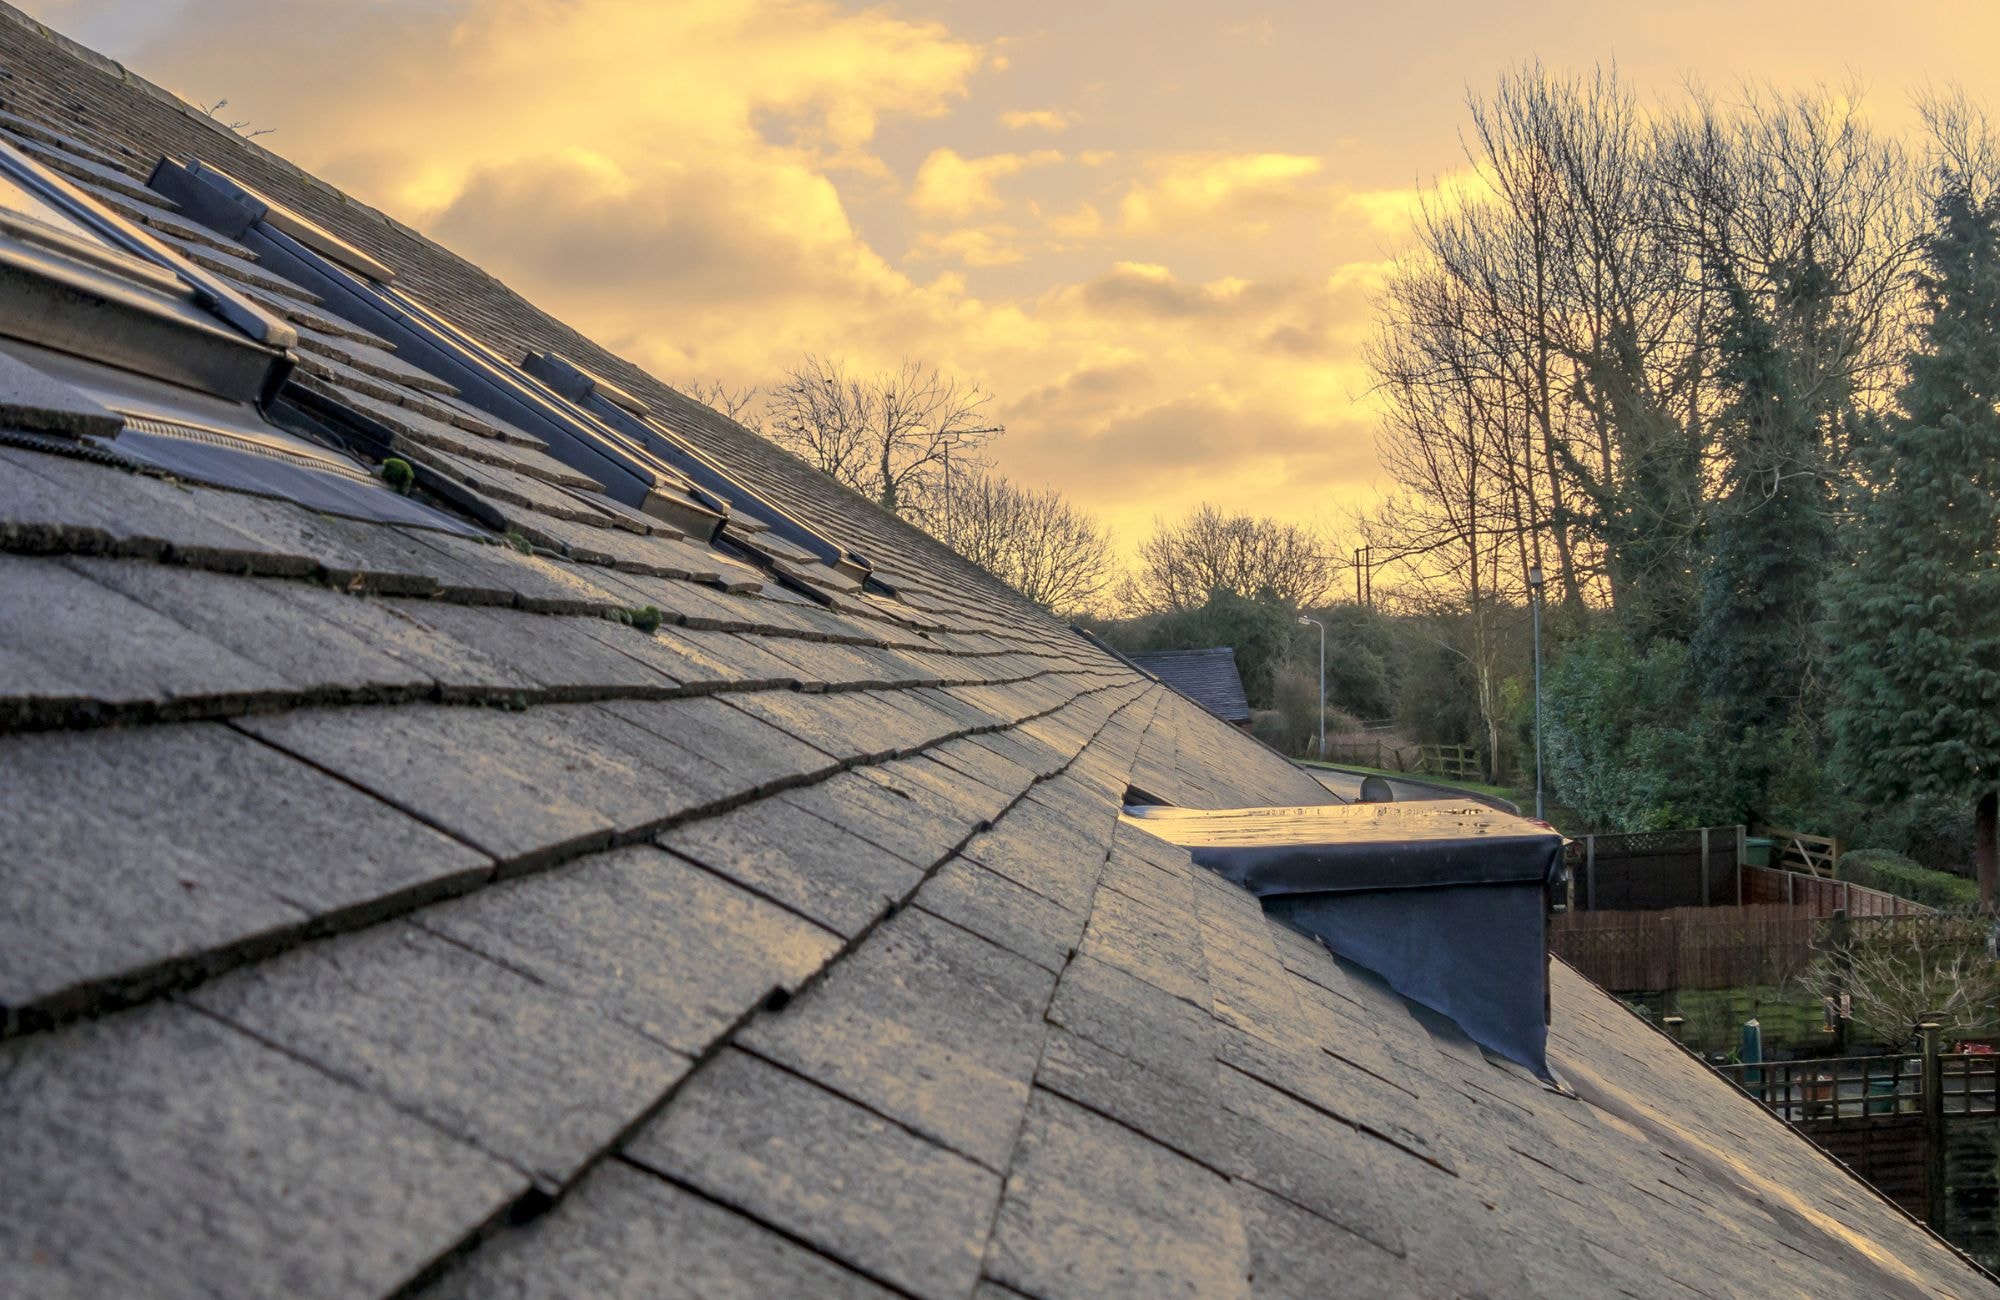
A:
x: 385, y: 916
x: 1208, y: 677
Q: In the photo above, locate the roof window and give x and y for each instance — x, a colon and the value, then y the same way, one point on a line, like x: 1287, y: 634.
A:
x: 353, y: 287
x: 76, y: 278
x: 590, y: 424
x: 113, y: 345
x: 758, y: 518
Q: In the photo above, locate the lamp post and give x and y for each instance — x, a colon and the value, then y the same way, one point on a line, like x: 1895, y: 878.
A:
x: 1313, y: 622
x: 1535, y: 596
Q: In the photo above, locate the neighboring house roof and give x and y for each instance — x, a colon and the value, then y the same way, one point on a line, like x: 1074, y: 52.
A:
x: 1208, y: 677
x: 386, y: 913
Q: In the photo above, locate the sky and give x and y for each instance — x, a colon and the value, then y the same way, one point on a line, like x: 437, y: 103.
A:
x: 1152, y: 230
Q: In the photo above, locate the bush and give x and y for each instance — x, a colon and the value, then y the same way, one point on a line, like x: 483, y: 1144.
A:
x: 1892, y: 873
x: 1292, y: 727
x: 1361, y: 660
x: 1934, y: 833
x: 1271, y: 727
x: 1437, y: 698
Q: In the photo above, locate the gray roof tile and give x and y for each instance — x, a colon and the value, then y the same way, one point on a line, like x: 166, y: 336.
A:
x: 626, y: 1234
x: 137, y: 859
x: 502, y: 1062
x: 994, y: 907
x: 643, y: 937
x: 160, y: 1153
x: 926, y: 1024
x: 864, y: 1190
x: 1093, y: 1209
x: 808, y: 864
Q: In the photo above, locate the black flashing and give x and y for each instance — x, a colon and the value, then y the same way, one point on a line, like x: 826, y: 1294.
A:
x: 1446, y: 902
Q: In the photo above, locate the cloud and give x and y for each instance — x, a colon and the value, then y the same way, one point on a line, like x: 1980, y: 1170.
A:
x: 1053, y: 120
x: 691, y: 185
x: 972, y: 245
x: 1084, y: 222
x: 954, y: 187
x: 1209, y: 191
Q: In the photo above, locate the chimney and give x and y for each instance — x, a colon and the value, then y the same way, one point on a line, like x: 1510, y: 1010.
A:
x: 1448, y: 902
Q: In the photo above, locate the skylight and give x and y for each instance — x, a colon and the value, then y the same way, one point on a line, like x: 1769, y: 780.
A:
x: 333, y: 270
x: 591, y: 425
x: 629, y: 414
x: 78, y: 279
x: 113, y: 344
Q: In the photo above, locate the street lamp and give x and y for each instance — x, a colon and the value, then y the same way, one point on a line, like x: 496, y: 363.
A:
x: 1535, y: 595
x: 1313, y: 622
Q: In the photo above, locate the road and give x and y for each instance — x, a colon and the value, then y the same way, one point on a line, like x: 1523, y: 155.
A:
x: 1348, y: 786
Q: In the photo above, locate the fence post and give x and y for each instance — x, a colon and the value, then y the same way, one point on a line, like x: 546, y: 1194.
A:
x: 1590, y: 872
x: 1704, y: 866
x: 1742, y: 852
x: 1790, y: 879
x: 1933, y: 1128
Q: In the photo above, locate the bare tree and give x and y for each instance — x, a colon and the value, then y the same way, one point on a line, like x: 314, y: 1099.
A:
x: 1455, y: 525
x: 1033, y: 540
x: 898, y: 438
x: 1574, y: 296
x: 739, y: 404
x: 1181, y: 564
x: 1895, y: 974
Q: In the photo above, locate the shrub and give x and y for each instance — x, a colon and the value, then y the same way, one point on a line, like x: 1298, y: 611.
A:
x: 1934, y: 833
x: 1893, y: 873
x: 1271, y: 727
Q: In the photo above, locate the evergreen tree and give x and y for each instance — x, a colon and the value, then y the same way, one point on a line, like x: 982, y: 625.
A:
x: 1751, y: 650
x: 1916, y: 616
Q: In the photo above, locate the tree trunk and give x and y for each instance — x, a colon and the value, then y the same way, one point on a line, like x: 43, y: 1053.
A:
x: 1986, y: 841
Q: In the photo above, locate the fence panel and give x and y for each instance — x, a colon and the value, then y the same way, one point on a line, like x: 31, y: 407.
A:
x: 1685, y: 947
x: 1823, y: 897
x: 1697, y: 947
x: 1655, y: 870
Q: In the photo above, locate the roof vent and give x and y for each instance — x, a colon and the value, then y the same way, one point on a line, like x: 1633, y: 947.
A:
x: 1447, y: 902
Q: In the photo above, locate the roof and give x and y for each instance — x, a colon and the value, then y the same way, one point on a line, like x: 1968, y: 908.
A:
x: 389, y: 912
x: 1208, y: 677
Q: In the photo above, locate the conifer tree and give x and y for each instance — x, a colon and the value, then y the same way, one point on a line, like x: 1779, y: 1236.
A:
x: 1915, y: 624
x: 1767, y: 542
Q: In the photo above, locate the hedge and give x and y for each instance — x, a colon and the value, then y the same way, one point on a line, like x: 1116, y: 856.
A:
x: 1895, y: 874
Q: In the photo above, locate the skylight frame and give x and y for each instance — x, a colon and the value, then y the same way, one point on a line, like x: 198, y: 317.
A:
x: 81, y: 279
x: 633, y: 416
x: 629, y: 474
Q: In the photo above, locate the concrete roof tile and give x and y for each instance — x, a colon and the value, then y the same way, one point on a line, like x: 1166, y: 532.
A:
x: 864, y: 1190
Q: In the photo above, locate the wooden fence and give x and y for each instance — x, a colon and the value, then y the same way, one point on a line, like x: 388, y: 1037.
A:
x: 1818, y: 897
x: 1685, y: 947
x: 1815, y: 855
x: 1376, y: 753
x: 1710, y: 947
x: 1454, y: 762
x: 1655, y: 870
x: 1457, y: 762
x: 1923, y: 1129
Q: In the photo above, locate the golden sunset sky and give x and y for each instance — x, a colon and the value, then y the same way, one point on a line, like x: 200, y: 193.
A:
x: 1151, y: 229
